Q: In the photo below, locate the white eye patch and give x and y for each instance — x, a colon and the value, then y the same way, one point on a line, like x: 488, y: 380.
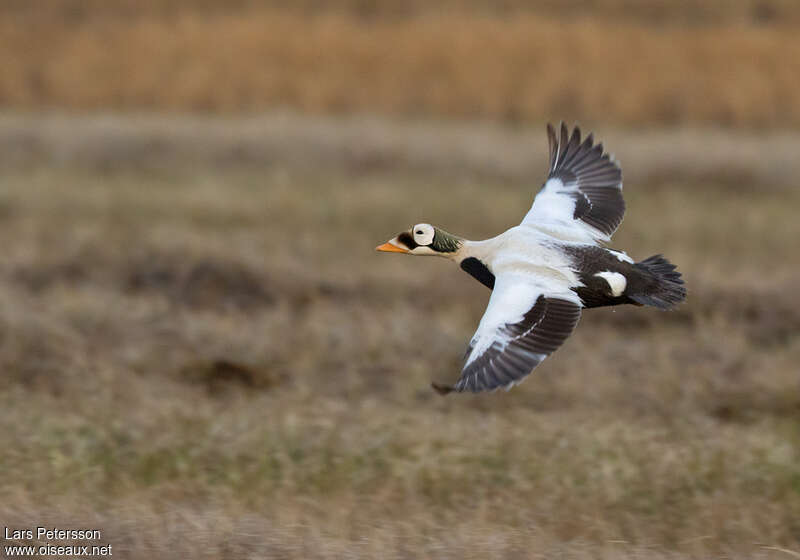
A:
x: 423, y: 234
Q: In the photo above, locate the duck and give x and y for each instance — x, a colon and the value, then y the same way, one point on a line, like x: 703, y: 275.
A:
x: 543, y: 272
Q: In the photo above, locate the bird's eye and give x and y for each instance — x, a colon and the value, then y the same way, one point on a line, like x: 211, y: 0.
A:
x: 419, y: 232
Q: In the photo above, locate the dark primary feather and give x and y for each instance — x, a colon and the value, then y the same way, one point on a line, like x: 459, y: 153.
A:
x: 541, y: 331
x: 589, y: 176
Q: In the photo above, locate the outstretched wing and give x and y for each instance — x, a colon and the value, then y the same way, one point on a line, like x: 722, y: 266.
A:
x: 582, y: 197
x: 523, y: 324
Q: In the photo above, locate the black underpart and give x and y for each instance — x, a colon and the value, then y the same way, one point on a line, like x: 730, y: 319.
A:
x: 597, y: 293
x: 654, y: 281
x: 587, y: 261
x: 475, y: 268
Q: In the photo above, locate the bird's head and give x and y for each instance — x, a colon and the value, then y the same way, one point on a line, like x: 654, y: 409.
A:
x: 423, y: 239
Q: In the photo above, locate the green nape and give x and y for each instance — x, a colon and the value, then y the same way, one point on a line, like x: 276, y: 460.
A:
x: 445, y: 242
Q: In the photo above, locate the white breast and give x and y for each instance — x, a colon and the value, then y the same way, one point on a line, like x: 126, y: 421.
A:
x: 527, y: 251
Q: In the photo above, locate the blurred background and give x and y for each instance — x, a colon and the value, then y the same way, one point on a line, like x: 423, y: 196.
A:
x: 202, y: 355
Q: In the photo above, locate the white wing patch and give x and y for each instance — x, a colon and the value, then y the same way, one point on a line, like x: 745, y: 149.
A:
x: 524, y: 323
x: 582, y: 197
x: 508, y: 303
x: 616, y: 281
x: 551, y: 206
x: 622, y: 256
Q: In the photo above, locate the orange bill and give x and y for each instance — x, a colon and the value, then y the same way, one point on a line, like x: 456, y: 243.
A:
x: 389, y: 248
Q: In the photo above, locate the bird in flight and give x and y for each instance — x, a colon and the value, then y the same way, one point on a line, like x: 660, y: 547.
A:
x: 545, y: 270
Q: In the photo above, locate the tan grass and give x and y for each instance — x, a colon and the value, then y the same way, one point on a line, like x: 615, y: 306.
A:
x: 648, y: 12
x: 458, y: 63
x: 212, y: 362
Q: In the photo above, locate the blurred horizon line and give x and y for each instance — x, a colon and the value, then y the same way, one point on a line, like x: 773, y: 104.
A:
x: 367, y: 143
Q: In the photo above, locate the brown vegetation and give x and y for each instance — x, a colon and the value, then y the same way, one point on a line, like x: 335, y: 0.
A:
x: 731, y: 63
x: 209, y: 360
x: 658, y: 12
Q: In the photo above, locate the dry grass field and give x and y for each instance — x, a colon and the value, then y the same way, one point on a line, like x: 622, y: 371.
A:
x: 727, y: 62
x: 203, y: 356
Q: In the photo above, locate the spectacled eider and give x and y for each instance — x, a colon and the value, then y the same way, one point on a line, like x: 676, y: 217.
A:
x: 545, y: 270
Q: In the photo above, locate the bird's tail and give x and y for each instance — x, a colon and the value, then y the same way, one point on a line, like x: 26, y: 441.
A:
x: 666, y: 290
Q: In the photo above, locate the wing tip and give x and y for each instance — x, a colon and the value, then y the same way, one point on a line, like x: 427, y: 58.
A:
x: 562, y: 127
